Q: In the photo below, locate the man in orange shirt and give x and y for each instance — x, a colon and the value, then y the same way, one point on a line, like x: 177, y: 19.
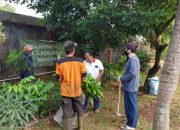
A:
x: 71, y: 71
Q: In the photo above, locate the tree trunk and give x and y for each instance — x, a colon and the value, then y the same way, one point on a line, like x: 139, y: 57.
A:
x: 110, y: 51
x: 154, y: 70
x: 168, y: 79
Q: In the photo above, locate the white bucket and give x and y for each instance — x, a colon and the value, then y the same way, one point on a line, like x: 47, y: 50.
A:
x: 153, y: 84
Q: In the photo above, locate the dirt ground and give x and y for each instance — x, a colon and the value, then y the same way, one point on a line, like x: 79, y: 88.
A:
x: 107, y: 119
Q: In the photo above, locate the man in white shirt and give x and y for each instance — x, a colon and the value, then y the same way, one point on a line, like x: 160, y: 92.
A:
x: 96, y: 69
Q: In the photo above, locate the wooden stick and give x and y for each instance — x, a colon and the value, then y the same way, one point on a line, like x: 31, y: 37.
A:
x: 119, y: 99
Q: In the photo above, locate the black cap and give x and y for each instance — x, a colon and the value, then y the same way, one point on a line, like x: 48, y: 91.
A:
x: 69, y: 44
x: 132, y: 46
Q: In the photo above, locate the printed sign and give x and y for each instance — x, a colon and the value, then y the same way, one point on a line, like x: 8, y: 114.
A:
x: 45, y: 53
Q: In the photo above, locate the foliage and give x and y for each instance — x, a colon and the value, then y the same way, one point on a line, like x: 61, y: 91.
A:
x: 2, y: 35
x: 7, y: 7
x: 52, y: 103
x: 61, y: 13
x: 92, y: 88
x: 20, y: 102
x: 166, y: 39
x: 122, y: 60
x: 113, y: 71
x: 104, y: 23
x: 144, y: 59
x: 103, y: 27
x: 15, y: 111
x: 16, y: 61
x: 142, y: 77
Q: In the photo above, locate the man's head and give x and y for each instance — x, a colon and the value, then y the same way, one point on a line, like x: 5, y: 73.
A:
x: 89, y: 56
x: 28, y: 49
x: 130, y: 48
x: 69, y: 47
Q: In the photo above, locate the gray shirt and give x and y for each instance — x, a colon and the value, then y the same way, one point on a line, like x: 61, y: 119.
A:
x: 130, y: 79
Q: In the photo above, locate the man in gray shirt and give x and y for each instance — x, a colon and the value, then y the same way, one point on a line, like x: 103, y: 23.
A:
x: 130, y: 80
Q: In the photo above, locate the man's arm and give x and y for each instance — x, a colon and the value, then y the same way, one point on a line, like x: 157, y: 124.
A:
x: 83, y: 72
x: 132, y: 72
x: 58, y: 73
x: 101, y: 72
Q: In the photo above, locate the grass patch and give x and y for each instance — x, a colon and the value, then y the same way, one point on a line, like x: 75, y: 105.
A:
x: 107, y: 119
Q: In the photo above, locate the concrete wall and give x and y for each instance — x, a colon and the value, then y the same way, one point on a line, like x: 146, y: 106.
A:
x: 17, y: 26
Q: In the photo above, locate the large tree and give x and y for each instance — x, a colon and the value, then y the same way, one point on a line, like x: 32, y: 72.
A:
x: 61, y: 14
x: 149, y: 19
x: 116, y: 22
x: 168, y: 79
x: 162, y: 14
x: 100, y: 30
x: 7, y: 7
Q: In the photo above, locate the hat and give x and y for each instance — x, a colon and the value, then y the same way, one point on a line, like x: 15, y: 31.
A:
x: 69, y: 44
x: 132, y: 46
x: 28, y: 48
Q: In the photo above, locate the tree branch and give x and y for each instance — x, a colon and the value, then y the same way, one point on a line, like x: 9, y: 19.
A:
x: 164, y: 27
x: 162, y: 47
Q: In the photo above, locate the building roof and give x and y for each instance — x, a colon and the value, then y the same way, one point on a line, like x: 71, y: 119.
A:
x: 19, y: 18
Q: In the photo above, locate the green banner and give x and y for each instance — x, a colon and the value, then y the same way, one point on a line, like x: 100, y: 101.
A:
x: 45, y: 53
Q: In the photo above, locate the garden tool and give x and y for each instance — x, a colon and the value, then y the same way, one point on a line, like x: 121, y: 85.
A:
x: 119, y: 99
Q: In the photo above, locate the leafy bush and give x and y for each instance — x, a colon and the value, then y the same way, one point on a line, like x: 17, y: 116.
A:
x: 144, y: 59
x: 15, y: 110
x: 20, y: 102
x: 92, y: 88
x: 142, y: 78
x: 52, y: 103
x: 16, y: 62
x: 112, y: 71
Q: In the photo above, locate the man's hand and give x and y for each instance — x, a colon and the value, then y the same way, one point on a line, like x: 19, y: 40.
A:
x: 101, y: 72
x: 57, y: 77
x: 118, y: 79
x: 98, y: 78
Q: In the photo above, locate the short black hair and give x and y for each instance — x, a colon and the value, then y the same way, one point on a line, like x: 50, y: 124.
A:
x: 69, y: 46
x: 69, y: 50
x: 132, y: 46
x: 90, y: 52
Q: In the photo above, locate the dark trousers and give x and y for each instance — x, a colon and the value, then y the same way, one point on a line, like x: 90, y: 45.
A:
x: 71, y: 105
x: 131, y: 108
x: 95, y: 103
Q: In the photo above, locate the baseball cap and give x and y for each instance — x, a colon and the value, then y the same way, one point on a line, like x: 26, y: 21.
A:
x: 132, y: 46
x: 28, y: 48
x: 69, y: 44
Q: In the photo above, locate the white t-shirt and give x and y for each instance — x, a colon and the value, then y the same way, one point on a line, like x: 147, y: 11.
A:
x: 94, y: 68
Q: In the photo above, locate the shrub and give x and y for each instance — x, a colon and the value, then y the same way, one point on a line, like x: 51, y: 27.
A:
x: 20, y: 102
x: 112, y: 71
x: 16, y: 62
x: 16, y: 111
x: 144, y: 59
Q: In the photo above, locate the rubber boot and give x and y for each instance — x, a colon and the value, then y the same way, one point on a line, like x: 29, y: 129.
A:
x: 73, y: 123
x: 66, y: 124
x: 80, y: 123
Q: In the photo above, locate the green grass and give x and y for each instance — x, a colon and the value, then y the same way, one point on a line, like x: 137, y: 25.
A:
x: 107, y: 119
